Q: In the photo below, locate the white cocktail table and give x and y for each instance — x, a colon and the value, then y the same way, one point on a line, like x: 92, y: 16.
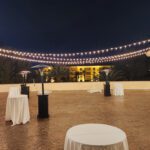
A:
x: 95, y: 137
x: 17, y: 109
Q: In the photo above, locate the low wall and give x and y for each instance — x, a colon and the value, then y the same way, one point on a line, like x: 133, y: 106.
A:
x: 133, y: 85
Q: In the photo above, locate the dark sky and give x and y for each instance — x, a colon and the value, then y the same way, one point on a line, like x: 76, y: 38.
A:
x: 67, y: 26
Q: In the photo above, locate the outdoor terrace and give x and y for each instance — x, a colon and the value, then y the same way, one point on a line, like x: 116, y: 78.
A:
x: 68, y: 108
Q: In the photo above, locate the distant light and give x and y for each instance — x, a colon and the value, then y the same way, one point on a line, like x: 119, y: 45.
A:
x: 148, y: 53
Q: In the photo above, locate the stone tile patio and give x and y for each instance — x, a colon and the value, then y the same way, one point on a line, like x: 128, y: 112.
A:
x: 130, y: 113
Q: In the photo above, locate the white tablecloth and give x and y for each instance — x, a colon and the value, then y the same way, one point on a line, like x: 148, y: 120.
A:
x: 17, y: 109
x: 118, y: 89
x: 95, y: 137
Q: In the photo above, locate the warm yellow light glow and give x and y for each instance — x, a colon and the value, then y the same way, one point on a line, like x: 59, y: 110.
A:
x: 85, y: 73
x: 148, y: 53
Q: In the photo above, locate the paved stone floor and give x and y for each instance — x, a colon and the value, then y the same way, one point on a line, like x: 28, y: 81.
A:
x: 130, y: 113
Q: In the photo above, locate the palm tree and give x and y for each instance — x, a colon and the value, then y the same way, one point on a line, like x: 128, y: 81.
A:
x: 117, y: 75
x: 60, y: 73
x: 9, y: 70
x: 114, y: 75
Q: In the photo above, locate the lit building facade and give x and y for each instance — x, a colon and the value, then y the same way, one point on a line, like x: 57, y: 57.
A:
x: 85, y: 73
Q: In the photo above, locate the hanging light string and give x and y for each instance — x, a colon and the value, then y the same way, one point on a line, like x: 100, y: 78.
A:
x: 82, y: 61
x: 50, y: 56
x: 37, y: 57
x: 54, y: 59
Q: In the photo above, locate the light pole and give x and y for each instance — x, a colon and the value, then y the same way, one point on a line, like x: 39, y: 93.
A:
x: 42, y: 79
x: 24, y: 88
x: 107, y: 85
x: 42, y: 98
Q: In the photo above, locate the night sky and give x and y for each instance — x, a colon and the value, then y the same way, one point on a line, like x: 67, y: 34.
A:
x: 71, y: 26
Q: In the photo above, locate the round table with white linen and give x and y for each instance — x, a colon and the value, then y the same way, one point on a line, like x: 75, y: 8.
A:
x: 95, y: 137
x: 118, y: 89
x: 17, y: 109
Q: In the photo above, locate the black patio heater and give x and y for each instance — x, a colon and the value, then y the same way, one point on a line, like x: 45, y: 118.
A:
x: 107, y: 85
x: 24, y: 88
x: 42, y: 97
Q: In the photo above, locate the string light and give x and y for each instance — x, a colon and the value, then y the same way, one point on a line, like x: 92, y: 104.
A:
x: 45, y: 58
x: 81, y: 54
x: 80, y: 61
